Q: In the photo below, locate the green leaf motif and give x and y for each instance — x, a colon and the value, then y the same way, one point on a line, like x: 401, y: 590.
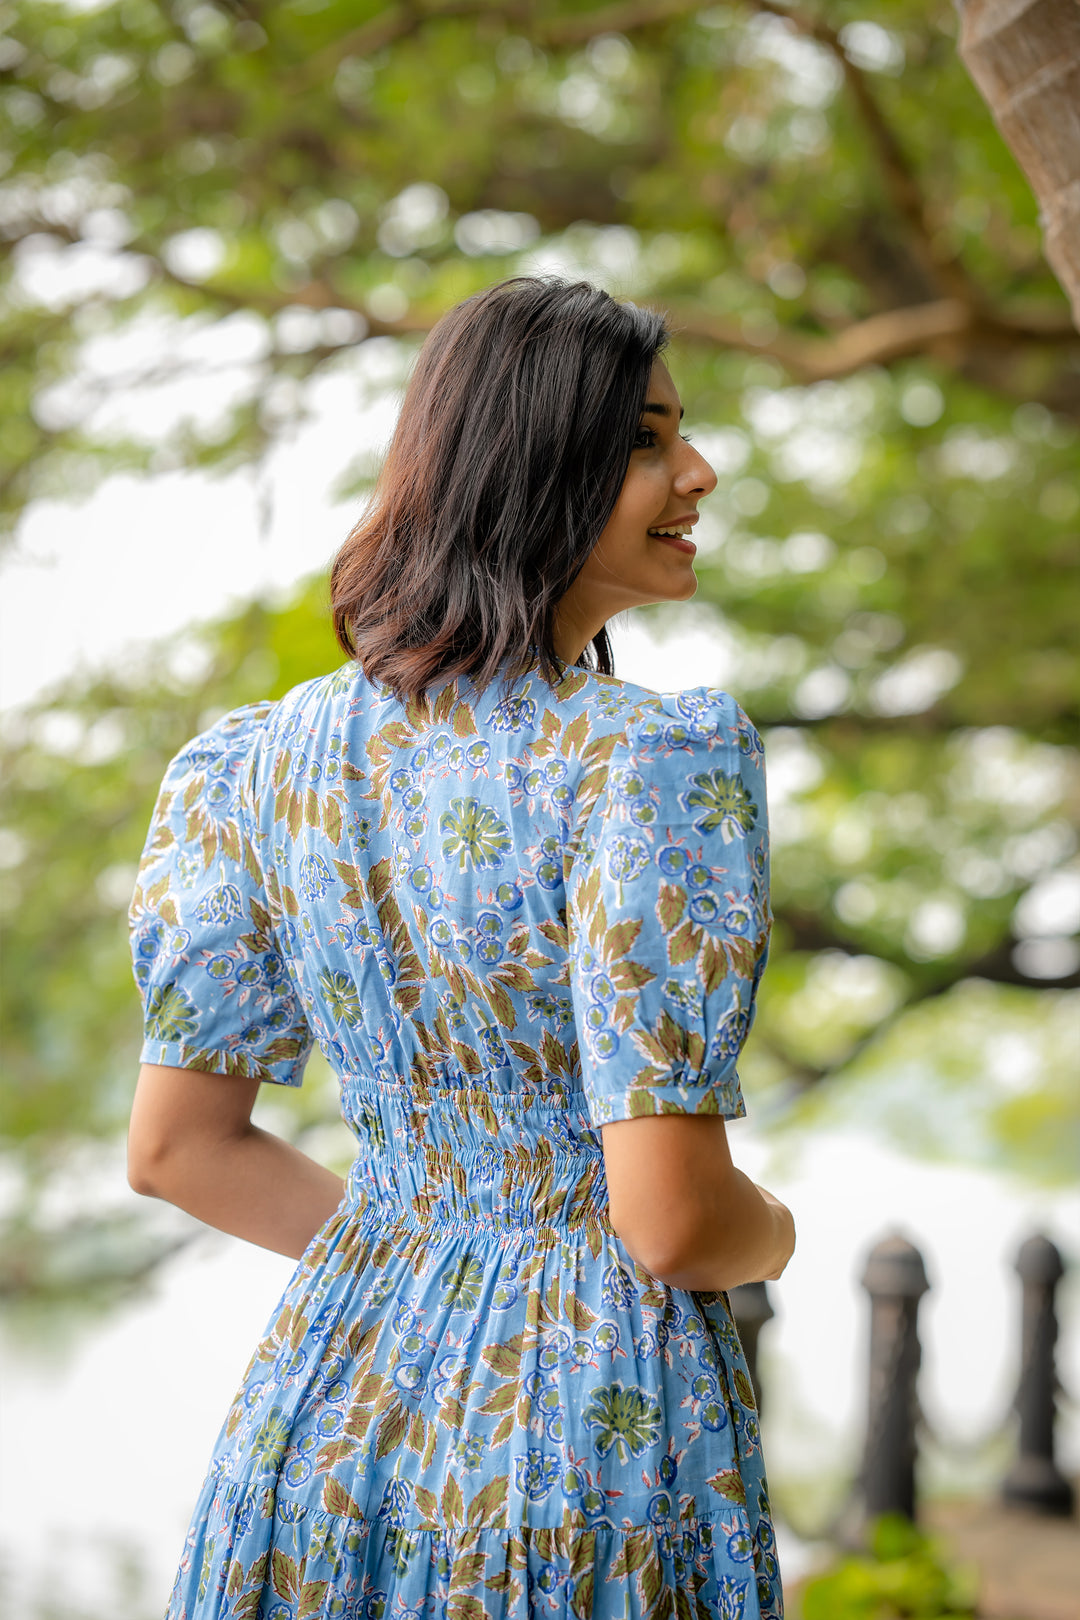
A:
x: 170, y: 1014
x: 623, y: 1418
x: 726, y: 802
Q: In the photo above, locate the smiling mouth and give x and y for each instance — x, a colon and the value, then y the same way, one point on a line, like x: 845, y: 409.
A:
x: 677, y: 531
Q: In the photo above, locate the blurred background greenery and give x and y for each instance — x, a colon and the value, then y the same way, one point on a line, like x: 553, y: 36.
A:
x: 210, y: 209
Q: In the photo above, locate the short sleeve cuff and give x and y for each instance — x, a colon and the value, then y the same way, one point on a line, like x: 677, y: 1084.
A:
x: 284, y: 1071
x: 708, y: 1095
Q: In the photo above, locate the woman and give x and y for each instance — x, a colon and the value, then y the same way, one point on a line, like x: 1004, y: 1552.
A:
x: 523, y: 908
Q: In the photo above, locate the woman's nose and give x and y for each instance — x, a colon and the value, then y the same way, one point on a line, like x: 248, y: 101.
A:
x: 695, y: 476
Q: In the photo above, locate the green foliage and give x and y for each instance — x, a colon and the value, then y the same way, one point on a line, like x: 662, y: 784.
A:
x: 871, y: 351
x: 903, y: 1577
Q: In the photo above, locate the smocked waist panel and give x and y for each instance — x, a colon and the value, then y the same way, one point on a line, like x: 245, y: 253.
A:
x: 510, y: 1160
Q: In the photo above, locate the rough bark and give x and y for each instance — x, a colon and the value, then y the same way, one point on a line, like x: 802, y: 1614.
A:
x: 1024, y: 56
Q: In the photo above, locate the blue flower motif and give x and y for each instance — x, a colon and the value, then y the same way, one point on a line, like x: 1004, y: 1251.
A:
x: 396, y: 1500
x: 626, y: 857
x: 659, y: 1508
x: 740, y: 1546
x: 219, y: 796
x: 738, y: 920
x: 704, y: 908
x: 549, y: 874
x: 602, y: 1043
x: 550, y: 1578
x: 298, y: 1471
x: 514, y: 714
x: 314, y: 877
x: 730, y: 1035
x: 537, y: 1474
x: 693, y: 706
x: 618, y: 1289
x: 148, y: 940
x: 220, y: 905
x: 408, y: 1376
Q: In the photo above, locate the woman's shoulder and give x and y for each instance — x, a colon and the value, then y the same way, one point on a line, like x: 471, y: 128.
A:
x: 660, y: 723
x: 223, y: 743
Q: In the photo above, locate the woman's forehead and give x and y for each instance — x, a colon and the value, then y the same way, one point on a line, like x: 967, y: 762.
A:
x: 661, y: 387
x: 662, y: 398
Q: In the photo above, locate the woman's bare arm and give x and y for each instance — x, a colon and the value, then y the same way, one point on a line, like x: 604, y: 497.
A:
x: 191, y: 1142
x: 682, y: 1209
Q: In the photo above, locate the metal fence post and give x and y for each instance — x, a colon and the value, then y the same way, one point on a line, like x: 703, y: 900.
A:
x: 895, y: 1279
x: 752, y: 1308
x: 1034, y: 1480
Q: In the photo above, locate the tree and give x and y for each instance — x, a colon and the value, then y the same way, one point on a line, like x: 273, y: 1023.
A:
x: 871, y: 352
x: 1026, y: 62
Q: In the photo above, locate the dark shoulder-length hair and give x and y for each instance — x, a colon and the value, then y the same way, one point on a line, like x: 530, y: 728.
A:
x: 507, y: 460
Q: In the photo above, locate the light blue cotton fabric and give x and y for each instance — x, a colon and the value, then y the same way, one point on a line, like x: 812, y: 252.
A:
x: 507, y: 918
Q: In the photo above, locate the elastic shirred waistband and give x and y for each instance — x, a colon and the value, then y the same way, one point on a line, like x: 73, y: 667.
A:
x: 499, y: 1190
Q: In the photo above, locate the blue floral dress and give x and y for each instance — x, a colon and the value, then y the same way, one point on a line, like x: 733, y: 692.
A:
x: 508, y: 917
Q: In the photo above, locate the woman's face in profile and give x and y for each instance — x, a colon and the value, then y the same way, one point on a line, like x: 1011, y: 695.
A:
x: 645, y: 553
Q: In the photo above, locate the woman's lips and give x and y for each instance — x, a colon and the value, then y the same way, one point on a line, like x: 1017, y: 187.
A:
x: 681, y: 542
x: 676, y: 532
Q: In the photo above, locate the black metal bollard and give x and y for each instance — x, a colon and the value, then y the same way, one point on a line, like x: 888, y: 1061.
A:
x: 895, y: 1279
x: 1034, y: 1480
x: 751, y: 1308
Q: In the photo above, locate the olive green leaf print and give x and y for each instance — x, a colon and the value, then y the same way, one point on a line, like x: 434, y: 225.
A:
x: 170, y: 1013
x: 507, y: 918
x: 462, y: 1283
x: 727, y: 805
x: 625, y: 1418
x: 475, y: 834
x: 340, y: 997
x: 269, y: 1442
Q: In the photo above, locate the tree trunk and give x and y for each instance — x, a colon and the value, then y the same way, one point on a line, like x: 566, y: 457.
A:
x: 1024, y: 56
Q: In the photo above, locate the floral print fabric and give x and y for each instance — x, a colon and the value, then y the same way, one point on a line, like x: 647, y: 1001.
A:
x: 508, y: 917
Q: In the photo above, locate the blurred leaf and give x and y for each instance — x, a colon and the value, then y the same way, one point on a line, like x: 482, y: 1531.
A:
x: 903, y: 1577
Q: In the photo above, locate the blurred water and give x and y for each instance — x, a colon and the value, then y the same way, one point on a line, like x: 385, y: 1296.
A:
x: 105, y: 1446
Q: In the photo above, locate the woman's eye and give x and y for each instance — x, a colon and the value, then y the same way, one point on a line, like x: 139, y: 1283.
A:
x: 687, y: 438
x: 644, y: 438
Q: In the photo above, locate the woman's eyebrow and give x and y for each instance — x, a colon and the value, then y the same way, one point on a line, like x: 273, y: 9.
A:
x: 656, y: 408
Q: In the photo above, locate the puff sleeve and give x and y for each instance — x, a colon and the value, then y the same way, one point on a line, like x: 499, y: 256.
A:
x: 215, y: 986
x: 668, y: 912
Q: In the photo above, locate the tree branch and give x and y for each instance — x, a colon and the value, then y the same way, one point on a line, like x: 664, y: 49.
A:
x: 809, y: 932
x: 877, y: 340
x: 629, y: 17
x: 398, y: 22
x: 996, y: 966
x: 946, y: 271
